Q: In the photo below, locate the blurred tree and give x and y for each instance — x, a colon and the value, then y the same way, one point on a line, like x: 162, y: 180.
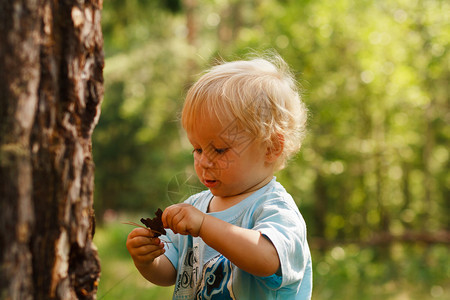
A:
x: 51, y: 86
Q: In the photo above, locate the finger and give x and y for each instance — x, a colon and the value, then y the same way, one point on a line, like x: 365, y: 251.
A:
x: 168, y: 215
x: 181, y: 228
x: 147, y: 249
x: 178, y: 217
x: 151, y: 255
x: 140, y: 241
x: 144, y: 250
x: 140, y: 232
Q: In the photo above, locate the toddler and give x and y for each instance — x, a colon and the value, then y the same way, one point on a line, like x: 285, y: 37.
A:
x: 244, y: 237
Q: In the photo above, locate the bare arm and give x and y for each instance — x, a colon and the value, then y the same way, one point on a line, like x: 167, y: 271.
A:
x: 160, y: 272
x: 146, y: 252
x: 246, y: 248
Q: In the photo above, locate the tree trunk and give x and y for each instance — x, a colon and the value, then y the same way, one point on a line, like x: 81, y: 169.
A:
x: 51, y: 86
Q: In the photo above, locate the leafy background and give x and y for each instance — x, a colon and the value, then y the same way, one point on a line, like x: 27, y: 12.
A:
x: 372, y: 177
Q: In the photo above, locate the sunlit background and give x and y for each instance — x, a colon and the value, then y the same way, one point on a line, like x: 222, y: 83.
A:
x: 372, y: 178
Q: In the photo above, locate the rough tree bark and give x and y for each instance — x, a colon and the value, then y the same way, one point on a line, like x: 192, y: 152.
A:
x: 51, y: 86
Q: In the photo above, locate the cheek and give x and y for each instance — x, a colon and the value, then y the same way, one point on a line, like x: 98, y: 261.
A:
x: 225, y: 162
x: 196, y: 166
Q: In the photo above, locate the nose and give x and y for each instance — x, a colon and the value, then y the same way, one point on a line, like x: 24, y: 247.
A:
x: 206, y: 161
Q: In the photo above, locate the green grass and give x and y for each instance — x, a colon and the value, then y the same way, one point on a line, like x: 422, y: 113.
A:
x: 399, y: 273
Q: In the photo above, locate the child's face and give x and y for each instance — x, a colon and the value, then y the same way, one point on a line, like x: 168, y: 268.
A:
x: 227, y: 160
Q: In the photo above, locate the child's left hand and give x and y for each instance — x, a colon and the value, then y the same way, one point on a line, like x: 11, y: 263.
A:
x: 183, y: 219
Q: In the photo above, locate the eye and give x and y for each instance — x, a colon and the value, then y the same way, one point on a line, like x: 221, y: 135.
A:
x: 197, y: 150
x: 221, y: 150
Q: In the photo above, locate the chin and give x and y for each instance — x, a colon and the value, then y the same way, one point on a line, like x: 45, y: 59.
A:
x: 218, y: 193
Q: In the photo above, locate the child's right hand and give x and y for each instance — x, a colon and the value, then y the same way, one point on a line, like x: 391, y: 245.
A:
x: 143, y: 247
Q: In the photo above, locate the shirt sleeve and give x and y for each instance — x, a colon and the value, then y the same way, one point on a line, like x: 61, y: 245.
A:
x: 280, y: 221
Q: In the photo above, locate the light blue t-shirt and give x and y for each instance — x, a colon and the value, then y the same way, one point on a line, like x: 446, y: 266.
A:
x: 203, y: 273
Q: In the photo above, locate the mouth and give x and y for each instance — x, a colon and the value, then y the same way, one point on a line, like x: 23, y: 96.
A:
x: 210, y: 183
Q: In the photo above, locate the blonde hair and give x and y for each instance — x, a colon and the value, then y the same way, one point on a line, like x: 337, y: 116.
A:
x: 260, y: 95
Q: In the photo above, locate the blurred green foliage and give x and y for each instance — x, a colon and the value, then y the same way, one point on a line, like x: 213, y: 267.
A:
x: 375, y: 77
x: 342, y: 272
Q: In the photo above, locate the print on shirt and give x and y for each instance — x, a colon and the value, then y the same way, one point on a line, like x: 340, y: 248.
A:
x: 216, y: 282
x: 188, y: 278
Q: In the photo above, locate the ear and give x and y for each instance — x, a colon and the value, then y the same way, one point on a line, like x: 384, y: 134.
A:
x: 275, y: 149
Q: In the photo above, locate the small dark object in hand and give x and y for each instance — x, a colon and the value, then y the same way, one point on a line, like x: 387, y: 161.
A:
x: 155, y: 224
